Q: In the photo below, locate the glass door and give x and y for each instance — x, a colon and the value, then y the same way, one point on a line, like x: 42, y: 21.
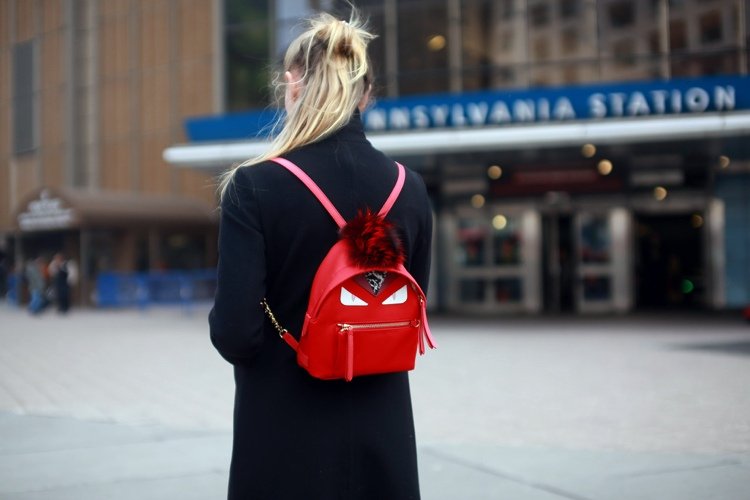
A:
x: 603, y: 260
x: 493, y: 260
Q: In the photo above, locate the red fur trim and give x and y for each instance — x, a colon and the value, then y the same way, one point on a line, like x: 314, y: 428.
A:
x: 373, y: 241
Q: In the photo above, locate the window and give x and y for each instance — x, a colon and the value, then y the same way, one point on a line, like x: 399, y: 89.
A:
x: 471, y: 235
x: 423, y: 47
x: 480, y: 40
x: 570, y: 41
x: 654, y: 43
x: 677, y: 35
x: 624, y: 53
x: 506, y: 7
x: 541, y: 49
x: 471, y: 290
x: 506, y: 240
x: 506, y: 41
x: 570, y: 74
x: 539, y: 15
x: 24, y: 109
x: 569, y: 8
x: 376, y: 49
x: 248, y: 54
x: 595, y: 240
x: 507, y: 290
x: 710, y: 26
x: 674, y: 5
x: 622, y: 14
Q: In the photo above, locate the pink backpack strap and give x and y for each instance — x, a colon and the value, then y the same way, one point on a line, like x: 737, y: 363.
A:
x: 396, y: 191
x: 319, y: 194
x: 323, y: 199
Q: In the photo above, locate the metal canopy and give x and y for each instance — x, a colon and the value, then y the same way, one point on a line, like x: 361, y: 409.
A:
x: 609, y: 131
x: 64, y: 208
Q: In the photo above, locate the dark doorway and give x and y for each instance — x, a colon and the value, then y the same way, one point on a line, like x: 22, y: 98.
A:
x: 558, y: 263
x: 669, y: 261
x: 43, y: 244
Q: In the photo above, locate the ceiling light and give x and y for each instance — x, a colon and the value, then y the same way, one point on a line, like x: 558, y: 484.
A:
x: 477, y: 201
x: 660, y: 193
x: 436, y: 43
x: 604, y: 167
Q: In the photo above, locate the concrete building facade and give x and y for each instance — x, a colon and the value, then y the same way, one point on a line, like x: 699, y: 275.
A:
x: 91, y: 94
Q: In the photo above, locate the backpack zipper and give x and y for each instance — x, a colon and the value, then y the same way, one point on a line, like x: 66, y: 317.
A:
x: 348, y: 329
x: 346, y: 326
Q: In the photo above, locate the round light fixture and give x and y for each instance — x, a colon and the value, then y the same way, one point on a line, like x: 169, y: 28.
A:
x: 660, y: 193
x: 477, y: 201
x: 436, y: 43
x: 494, y: 172
x: 604, y: 167
x: 696, y: 220
x: 499, y: 222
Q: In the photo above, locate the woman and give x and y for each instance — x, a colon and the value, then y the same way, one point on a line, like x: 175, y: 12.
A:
x: 297, y: 437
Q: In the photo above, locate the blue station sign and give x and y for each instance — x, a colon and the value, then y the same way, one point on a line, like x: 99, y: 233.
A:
x: 508, y: 107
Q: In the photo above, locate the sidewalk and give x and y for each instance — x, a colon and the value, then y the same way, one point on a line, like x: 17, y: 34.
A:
x: 129, y: 404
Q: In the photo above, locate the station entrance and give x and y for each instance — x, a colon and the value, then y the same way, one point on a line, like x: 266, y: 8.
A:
x: 670, y: 261
x: 558, y: 266
x: 529, y: 259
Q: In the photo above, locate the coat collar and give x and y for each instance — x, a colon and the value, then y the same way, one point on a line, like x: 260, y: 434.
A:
x: 353, y: 131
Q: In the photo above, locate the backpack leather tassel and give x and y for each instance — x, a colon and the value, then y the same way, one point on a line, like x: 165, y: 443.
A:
x: 425, y: 332
x: 349, y: 355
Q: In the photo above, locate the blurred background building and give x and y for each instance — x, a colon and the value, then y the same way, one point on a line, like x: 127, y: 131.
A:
x: 582, y: 155
x: 90, y: 95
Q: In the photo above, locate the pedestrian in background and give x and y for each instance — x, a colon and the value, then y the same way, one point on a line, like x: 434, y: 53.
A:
x: 297, y: 437
x: 64, y: 275
x: 4, y: 273
x: 37, y: 283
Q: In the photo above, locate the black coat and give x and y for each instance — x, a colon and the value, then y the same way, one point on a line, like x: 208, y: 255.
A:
x: 296, y: 437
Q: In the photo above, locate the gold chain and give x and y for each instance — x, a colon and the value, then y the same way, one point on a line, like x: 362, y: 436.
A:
x: 273, y: 319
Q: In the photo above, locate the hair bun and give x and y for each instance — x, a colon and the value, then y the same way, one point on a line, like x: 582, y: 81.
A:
x: 342, y: 35
x: 344, y: 48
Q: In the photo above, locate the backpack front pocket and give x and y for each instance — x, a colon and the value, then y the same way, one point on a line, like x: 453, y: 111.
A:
x: 367, y: 348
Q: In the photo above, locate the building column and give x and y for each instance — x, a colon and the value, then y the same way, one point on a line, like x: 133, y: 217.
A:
x: 154, y: 249
x: 71, y: 84
x: 390, y: 15
x: 742, y: 35
x: 665, y: 69
x: 455, y: 45
x: 219, y: 76
x: 591, y: 19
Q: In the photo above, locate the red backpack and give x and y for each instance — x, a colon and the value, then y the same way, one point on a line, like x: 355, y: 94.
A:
x: 366, y: 313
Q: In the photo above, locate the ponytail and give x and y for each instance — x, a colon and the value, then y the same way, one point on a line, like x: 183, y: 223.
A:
x: 331, y: 57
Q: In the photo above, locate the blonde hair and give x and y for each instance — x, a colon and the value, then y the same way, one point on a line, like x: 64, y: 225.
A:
x: 331, y: 57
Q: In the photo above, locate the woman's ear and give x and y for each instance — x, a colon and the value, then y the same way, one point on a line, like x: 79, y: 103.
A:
x: 293, y: 88
x: 365, y: 99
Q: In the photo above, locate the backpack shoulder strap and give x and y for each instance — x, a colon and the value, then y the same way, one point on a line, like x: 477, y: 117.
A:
x: 323, y: 199
x: 396, y: 191
x: 319, y: 194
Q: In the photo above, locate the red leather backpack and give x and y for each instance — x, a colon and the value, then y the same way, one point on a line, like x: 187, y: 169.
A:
x: 366, y: 313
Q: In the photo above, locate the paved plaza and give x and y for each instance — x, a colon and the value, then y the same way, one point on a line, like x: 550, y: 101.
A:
x: 137, y: 405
